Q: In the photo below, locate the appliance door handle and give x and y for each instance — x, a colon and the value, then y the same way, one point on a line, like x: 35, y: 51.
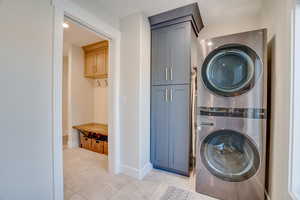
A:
x: 171, y: 73
x: 171, y: 95
x: 166, y: 73
x: 206, y: 124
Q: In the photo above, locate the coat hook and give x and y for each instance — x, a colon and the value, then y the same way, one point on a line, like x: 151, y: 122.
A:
x: 98, y: 83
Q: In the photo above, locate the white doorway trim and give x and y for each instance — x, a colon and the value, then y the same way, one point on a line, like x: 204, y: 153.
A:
x: 66, y: 8
x: 294, y: 179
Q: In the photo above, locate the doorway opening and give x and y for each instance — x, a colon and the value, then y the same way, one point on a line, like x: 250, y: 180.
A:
x: 89, y: 22
x: 85, y: 106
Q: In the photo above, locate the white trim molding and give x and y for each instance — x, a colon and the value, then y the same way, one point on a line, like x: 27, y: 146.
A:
x: 58, y: 186
x: 294, y: 179
x: 145, y: 170
x: 67, y: 8
x: 130, y: 171
x: 136, y: 173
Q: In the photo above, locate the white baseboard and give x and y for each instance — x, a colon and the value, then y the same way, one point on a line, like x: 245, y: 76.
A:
x: 73, y: 141
x: 136, y: 173
x: 145, y: 170
x: 130, y: 171
x: 293, y: 196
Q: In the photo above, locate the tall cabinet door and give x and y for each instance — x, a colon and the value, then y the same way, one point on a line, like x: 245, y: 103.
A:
x: 159, y: 127
x: 180, y: 66
x: 160, y: 57
x: 171, y: 54
x: 179, y: 128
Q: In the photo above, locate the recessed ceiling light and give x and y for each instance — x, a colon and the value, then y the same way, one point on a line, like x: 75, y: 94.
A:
x: 65, y: 25
x: 209, y: 43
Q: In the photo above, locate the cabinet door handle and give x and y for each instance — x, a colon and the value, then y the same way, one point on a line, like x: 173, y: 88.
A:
x: 166, y: 73
x: 166, y: 94
x: 171, y: 95
x: 171, y: 73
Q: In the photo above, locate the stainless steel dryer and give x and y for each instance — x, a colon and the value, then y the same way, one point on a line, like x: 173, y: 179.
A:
x: 233, y: 71
x: 230, y: 163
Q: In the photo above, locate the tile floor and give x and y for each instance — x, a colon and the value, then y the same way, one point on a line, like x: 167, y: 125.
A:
x: 86, y: 178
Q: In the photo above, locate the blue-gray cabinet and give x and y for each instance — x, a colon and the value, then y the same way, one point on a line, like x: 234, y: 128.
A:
x: 160, y: 127
x: 160, y: 73
x: 179, y: 128
x: 173, y: 41
x: 171, y: 127
x: 170, y: 54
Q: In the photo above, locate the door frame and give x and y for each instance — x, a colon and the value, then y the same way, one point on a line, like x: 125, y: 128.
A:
x: 293, y: 180
x: 62, y: 8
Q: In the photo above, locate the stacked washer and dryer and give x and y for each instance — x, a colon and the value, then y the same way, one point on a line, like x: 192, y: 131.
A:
x: 232, y: 114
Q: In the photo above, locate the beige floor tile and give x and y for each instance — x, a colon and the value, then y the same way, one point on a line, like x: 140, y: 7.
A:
x: 86, y: 178
x: 195, y: 196
x: 76, y: 197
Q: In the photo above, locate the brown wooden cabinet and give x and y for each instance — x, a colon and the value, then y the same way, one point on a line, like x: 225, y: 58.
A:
x: 96, y: 60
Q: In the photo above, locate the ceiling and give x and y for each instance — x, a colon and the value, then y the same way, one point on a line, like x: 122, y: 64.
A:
x: 78, y: 36
x: 212, y: 10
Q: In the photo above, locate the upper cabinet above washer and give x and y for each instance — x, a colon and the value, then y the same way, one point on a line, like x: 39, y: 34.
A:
x: 96, y: 60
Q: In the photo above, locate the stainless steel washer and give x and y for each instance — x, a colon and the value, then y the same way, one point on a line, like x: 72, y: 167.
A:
x: 230, y: 161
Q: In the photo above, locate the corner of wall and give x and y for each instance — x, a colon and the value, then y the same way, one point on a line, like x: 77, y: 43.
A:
x: 145, y: 170
x: 136, y: 173
x: 136, y: 126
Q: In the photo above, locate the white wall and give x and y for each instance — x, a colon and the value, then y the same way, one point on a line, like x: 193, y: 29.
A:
x: 276, y: 17
x: 144, y: 94
x: 240, y: 24
x: 100, y: 103
x: 26, y: 100
x: 135, y: 95
x: 65, y: 98
x: 98, y: 9
x: 129, y: 89
x: 81, y: 93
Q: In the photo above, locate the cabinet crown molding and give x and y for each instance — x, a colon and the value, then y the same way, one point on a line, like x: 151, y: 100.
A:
x: 98, y: 45
x: 188, y: 13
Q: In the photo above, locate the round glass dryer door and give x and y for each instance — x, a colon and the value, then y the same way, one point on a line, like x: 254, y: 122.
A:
x: 230, y: 156
x: 231, y: 70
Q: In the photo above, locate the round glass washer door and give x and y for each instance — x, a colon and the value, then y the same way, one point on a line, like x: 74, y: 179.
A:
x: 230, y: 155
x: 231, y: 70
